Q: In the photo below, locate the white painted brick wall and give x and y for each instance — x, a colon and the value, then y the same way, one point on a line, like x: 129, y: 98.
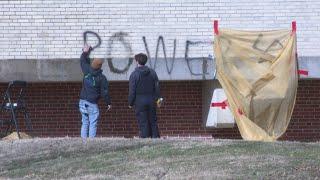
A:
x: 35, y: 29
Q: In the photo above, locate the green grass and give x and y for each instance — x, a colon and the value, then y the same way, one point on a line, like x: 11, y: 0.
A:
x: 170, y: 159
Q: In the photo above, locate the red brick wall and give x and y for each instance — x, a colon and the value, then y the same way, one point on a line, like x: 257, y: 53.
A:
x: 305, y: 121
x: 54, y: 112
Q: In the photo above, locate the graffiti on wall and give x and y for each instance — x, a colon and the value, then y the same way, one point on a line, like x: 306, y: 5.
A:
x: 204, y: 60
x: 160, y: 39
x: 120, y: 37
x: 85, y: 38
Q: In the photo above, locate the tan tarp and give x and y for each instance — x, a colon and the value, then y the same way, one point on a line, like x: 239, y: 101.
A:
x: 258, y: 72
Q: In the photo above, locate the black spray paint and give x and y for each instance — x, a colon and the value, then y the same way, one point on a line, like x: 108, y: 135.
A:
x: 160, y: 39
x: 85, y: 38
x: 121, y: 37
x: 204, y: 60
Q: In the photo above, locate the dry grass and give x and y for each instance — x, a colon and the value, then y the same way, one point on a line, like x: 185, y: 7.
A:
x: 106, y: 158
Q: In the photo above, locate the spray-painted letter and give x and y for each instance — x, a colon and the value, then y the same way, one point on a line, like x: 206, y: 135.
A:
x: 85, y: 38
x: 119, y: 36
x: 169, y: 69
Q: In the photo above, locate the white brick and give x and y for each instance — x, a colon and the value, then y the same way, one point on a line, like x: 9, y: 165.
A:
x: 54, y: 28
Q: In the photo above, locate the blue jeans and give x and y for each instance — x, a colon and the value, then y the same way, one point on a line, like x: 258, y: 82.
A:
x: 90, y: 117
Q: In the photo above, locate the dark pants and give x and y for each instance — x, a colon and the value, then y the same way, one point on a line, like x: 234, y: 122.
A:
x: 145, y: 108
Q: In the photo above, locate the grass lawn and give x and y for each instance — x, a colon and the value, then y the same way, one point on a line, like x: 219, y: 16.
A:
x: 116, y: 158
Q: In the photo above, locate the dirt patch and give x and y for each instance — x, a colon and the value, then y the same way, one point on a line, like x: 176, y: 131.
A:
x: 14, y: 136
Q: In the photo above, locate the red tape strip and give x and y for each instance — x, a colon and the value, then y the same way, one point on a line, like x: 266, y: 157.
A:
x: 222, y: 104
x: 303, y: 72
x: 215, y: 26
x: 294, y: 26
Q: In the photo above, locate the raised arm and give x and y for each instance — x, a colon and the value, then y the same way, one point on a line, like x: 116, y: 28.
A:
x: 85, y: 60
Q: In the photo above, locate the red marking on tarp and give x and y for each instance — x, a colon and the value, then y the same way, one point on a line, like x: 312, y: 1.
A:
x: 222, y: 104
x: 294, y: 27
x: 303, y: 72
x: 215, y: 26
x: 240, y: 111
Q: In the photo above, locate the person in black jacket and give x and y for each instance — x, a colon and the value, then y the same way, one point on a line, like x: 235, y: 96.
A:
x: 144, y: 91
x: 94, y: 86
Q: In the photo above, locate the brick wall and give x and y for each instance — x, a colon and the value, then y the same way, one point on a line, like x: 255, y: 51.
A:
x: 305, y: 122
x: 53, y: 110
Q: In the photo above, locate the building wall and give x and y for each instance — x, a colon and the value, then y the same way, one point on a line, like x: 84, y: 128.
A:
x: 41, y: 42
x: 54, y: 112
x: 48, y: 34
